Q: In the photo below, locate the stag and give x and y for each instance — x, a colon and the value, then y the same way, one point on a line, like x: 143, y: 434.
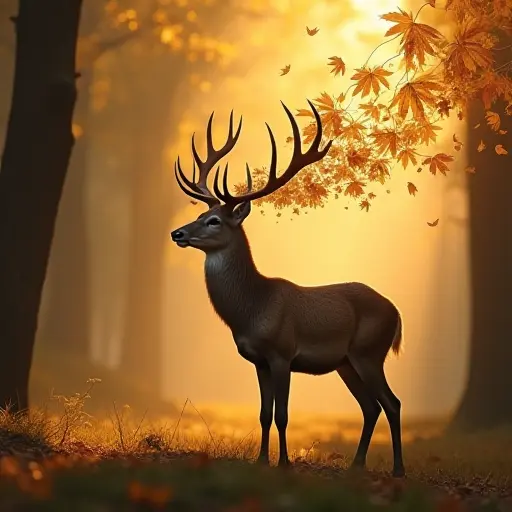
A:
x: 282, y: 327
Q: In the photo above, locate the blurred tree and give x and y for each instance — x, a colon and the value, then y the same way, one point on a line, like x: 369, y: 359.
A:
x: 37, y: 149
x: 486, y: 401
x: 164, y: 43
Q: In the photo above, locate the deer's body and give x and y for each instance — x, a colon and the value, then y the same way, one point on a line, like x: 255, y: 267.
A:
x: 282, y: 327
x: 313, y: 327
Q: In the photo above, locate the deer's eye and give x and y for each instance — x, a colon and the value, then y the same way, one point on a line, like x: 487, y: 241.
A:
x: 213, y: 221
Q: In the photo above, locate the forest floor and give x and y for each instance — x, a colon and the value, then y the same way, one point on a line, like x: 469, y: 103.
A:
x: 198, y: 461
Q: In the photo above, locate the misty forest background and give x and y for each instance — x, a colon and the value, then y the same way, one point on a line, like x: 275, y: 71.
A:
x: 102, y: 308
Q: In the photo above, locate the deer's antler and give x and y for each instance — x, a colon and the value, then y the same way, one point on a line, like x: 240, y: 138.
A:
x: 298, y: 161
x: 199, y: 189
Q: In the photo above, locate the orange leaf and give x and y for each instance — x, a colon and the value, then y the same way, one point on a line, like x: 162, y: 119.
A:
x: 457, y: 144
x: 365, y: 205
x: 325, y: 103
x: 386, y: 141
x: 354, y: 189
x: 500, y: 150
x: 338, y: 66
x: 433, y: 224
x: 438, y: 163
x: 481, y: 146
x: 285, y: 70
x: 418, y: 40
x: 502, y: 132
x: 414, y: 95
x: 312, y: 31
x: 368, y: 79
x: 411, y: 187
x: 470, y: 170
x: 405, y: 156
x: 493, y: 120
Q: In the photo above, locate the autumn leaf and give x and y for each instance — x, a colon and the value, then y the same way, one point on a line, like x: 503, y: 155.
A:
x: 365, y: 205
x: 312, y: 31
x: 457, y: 144
x: 467, y: 52
x: 493, y: 120
x: 386, y: 140
x: 368, y: 79
x: 433, y: 224
x: 354, y: 189
x: 438, y: 163
x: 371, y: 110
x: 470, y: 170
x: 500, y: 150
x: 415, y: 95
x: 508, y: 109
x: 418, y: 40
x: 502, y: 132
x: 481, y: 146
x: 405, y: 156
x: 285, y: 70
x: 411, y: 187
x: 324, y: 102
x: 338, y: 66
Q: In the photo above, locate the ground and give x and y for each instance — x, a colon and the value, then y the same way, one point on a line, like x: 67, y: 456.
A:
x: 198, y: 461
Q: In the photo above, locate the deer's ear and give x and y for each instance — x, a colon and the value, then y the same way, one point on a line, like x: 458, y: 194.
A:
x: 241, y: 211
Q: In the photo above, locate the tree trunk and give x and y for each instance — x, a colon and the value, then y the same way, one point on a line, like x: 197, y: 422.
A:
x: 37, y: 151
x: 65, y: 326
x: 486, y: 401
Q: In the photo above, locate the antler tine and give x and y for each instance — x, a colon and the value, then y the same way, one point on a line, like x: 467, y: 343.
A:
x: 191, y: 191
x: 298, y: 161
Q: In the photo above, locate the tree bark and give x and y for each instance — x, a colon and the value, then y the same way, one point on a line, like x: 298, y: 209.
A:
x: 36, y: 155
x: 66, y: 325
x: 486, y: 401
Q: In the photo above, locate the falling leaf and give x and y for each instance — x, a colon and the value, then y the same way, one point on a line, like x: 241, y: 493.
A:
x: 338, y: 66
x: 371, y: 196
x: 476, y: 126
x: 493, y: 120
x: 193, y: 202
x: 502, y: 132
x: 419, y: 169
x: 365, y: 205
x: 312, y: 31
x: 438, y: 163
x: 469, y: 169
x: 481, y: 146
x: 405, y: 156
x: 500, y: 150
x: 368, y: 79
x: 433, y: 224
x: 411, y: 187
x: 285, y: 70
x: 457, y: 144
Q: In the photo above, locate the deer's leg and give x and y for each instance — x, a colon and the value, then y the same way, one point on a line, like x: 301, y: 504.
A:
x: 281, y: 375
x: 369, y: 406
x: 267, y: 406
x: 372, y: 374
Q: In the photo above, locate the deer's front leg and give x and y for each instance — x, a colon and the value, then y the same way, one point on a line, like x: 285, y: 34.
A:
x: 280, y: 371
x: 267, y: 406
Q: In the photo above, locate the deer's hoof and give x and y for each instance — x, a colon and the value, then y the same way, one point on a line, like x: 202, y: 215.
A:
x: 398, y: 472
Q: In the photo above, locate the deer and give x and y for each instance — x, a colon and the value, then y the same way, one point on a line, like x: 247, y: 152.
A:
x: 277, y: 325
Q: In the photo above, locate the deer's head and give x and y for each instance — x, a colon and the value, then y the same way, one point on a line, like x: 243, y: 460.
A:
x: 216, y: 228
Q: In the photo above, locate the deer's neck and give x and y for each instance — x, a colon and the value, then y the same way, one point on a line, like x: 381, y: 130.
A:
x: 236, y: 288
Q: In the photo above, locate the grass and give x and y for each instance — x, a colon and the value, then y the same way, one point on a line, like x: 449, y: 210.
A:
x: 193, y: 462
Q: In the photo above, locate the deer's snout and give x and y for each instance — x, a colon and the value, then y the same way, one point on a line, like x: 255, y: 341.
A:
x: 180, y: 236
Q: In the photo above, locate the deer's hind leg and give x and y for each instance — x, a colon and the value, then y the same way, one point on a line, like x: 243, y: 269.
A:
x: 372, y: 374
x: 370, y: 408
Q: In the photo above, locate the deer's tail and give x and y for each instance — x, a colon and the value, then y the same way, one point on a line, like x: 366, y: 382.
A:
x: 397, y: 340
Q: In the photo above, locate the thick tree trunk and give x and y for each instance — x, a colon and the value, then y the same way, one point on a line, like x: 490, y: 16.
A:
x: 37, y: 151
x: 65, y: 326
x: 487, y: 401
